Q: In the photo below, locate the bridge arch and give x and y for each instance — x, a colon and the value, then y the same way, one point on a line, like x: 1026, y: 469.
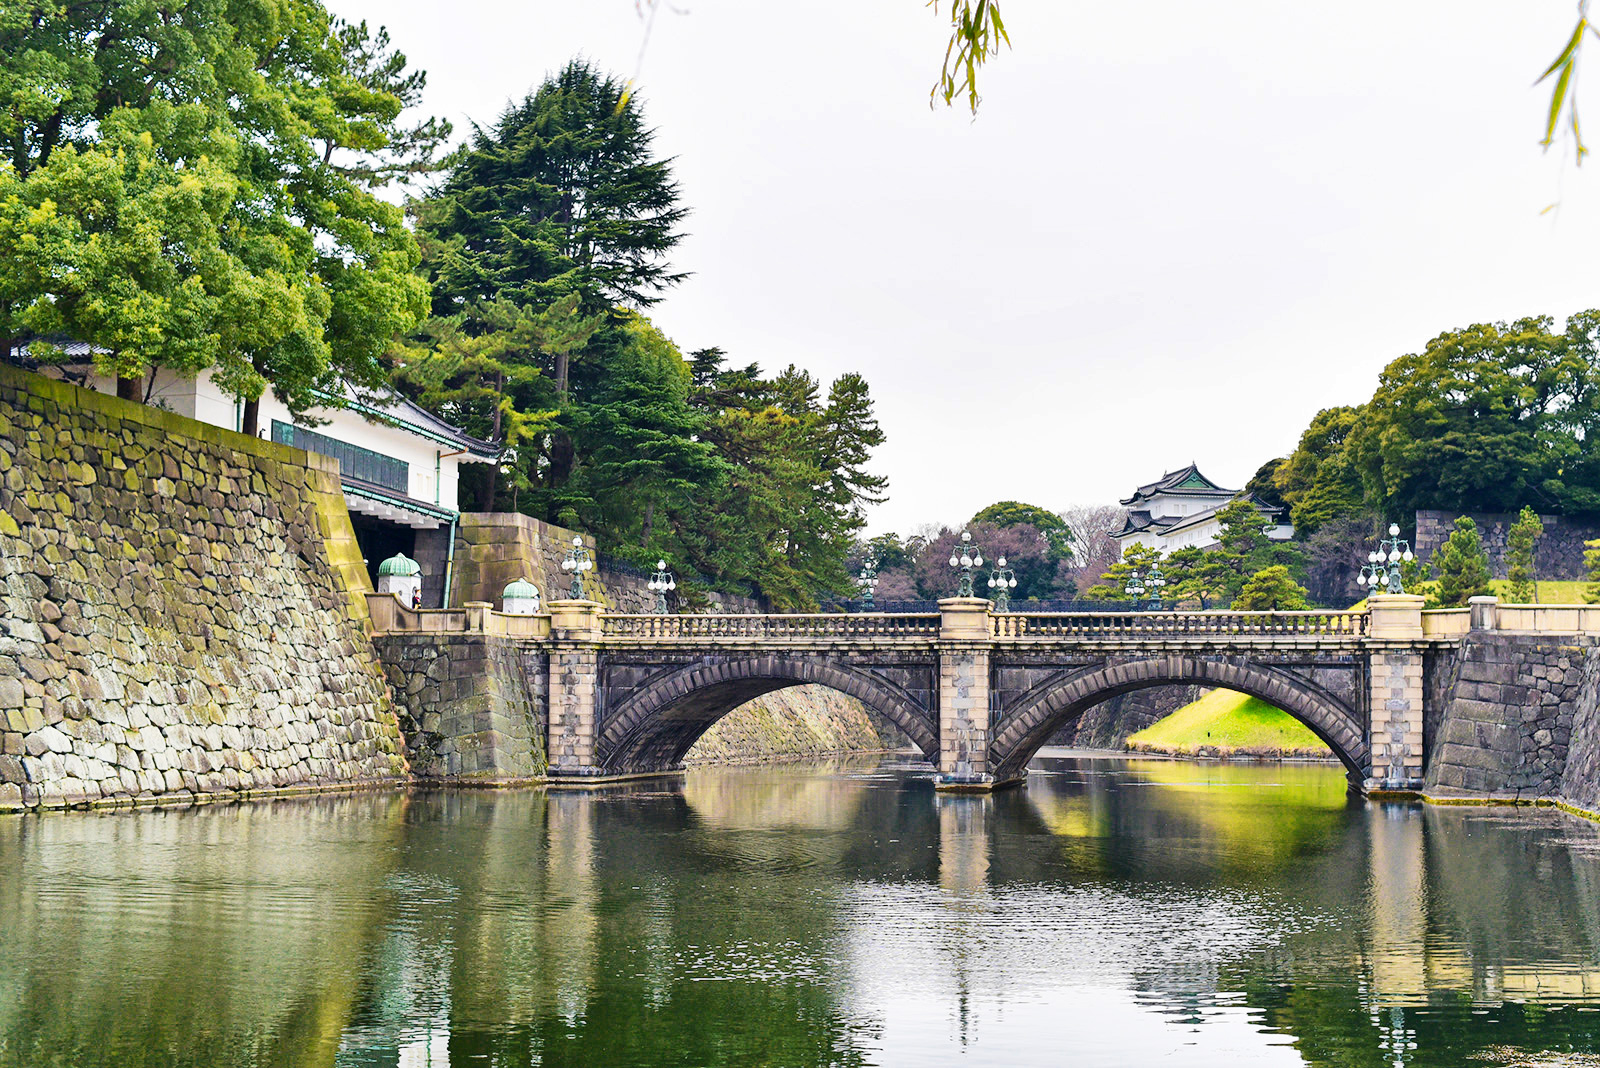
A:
x: 1040, y: 712
x: 654, y: 726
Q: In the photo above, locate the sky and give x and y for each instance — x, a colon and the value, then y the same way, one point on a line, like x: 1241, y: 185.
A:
x: 1173, y: 232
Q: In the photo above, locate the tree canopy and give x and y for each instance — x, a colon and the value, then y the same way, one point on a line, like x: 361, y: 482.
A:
x: 191, y: 185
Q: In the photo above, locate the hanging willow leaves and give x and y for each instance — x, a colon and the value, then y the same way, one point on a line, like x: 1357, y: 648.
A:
x: 1562, y: 98
x: 976, y: 34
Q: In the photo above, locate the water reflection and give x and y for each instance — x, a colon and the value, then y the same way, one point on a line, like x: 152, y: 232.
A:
x: 1113, y: 912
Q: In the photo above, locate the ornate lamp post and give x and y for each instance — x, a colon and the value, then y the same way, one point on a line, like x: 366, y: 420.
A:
x: 1149, y: 583
x: 662, y: 582
x: 1002, y: 580
x: 1381, y: 572
x: 868, y: 581
x: 966, y: 556
x: 577, y: 562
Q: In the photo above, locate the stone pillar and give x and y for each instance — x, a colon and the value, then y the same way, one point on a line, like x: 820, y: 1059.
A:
x: 1394, y: 667
x: 1485, y: 612
x: 478, y: 615
x: 964, y: 644
x: 575, y: 628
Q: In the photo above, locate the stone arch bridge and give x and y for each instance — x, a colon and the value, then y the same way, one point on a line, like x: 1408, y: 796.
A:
x: 977, y: 692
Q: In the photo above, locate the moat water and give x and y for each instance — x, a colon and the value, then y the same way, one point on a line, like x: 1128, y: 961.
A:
x: 1110, y: 913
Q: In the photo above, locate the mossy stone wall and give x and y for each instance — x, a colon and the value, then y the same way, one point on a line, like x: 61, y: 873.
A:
x: 181, y: 610
x: 794, y: 723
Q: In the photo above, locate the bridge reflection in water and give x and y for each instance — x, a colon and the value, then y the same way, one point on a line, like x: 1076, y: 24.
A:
x: 1127, y: 912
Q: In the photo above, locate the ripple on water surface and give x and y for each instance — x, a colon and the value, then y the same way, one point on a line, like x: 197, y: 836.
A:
x: 1113, y: 912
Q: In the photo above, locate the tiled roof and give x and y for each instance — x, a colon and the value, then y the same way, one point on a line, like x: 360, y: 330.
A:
x: 1186, y: 481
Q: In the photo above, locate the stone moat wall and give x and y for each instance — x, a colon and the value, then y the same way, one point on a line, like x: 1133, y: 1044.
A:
x: 1521, y: 721
x: 1558, y: 553
x: 799, y: 722
x: 495, y: 548
x: 182, y: 610
x: 471, y: 706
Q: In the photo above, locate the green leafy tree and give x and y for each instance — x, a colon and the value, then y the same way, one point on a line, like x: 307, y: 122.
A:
x: 1461, y: 565
x: 1320, y: 481
x: 787, y: 514
x: 1520, y: 544
x: 562, y: 197
x: 563, y: 194
x: 1263, y: 485
x: 487, y: 369
x: 1242, y: 549
x: 191, y: 185
x: 1486, y: 419
x: 1591, y: 561
x: 1271, y: 589
x: 1137, y: 558
x: 1051, y: 527
x: 643, y: 455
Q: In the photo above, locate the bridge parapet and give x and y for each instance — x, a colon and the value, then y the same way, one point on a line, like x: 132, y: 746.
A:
x: 778, y: 627
x: 1140, y: 626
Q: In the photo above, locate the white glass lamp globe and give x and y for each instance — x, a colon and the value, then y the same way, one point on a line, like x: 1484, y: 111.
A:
x: 966, y: 536
x: 977, y: 559
x: 1384, y: 579
x: 577, y: 543
x: 991, y: 584
x: 661, y: 565
x: 1394, y: 529
x: 1373, y: 557
x: 1013, y: 583
x: 566, y: 565
x: 1001, y: 561
x: 1361, y: 580
x: 1394, y: 556
x: 1407, y: 556
x: 966, y: 560
x: 953, y: 561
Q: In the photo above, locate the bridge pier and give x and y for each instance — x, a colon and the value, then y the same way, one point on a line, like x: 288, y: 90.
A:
x: 966, y: 703
x: 1394, y: 675
x: 576, y: 631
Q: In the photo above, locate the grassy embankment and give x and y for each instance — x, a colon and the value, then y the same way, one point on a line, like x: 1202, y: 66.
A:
x: 1227, y: 723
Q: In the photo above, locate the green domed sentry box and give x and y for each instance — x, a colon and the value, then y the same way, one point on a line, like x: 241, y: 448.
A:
x: 401, y: 576
x: 520, y: 598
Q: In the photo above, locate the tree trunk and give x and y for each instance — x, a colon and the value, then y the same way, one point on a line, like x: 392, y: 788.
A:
x: 649, y: 525
x: 563, y: 362
x: 494, y: 435
x: 128, y: 388
x: 251, y: 421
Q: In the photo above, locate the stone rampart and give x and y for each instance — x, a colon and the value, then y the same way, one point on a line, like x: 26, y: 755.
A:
x: 495, y: 548
x: 472, y: 706
x: 800, y: 722
x: 1558, y: 554
x: 183, y: 610
x: 1511, y: 724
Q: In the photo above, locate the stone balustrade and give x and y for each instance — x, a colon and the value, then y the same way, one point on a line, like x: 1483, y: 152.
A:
x: 1094, y: 626
x: 390, y: 615
x: 777, y: 627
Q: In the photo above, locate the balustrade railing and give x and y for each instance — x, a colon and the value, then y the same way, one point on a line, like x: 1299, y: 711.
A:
x: 919, y: 625
x: 1132, y: 626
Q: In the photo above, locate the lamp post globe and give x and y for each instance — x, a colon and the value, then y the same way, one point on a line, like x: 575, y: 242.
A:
x: 1381, y: 574
x: 577, y: 562
x: 661, y: 583
x: 965, y: 557
x: 867, y: 582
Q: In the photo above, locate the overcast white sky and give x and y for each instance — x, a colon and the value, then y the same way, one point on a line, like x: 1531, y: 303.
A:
x: 1174, y: 231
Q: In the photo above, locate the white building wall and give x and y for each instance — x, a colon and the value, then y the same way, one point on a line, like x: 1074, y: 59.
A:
x: 433, y: 475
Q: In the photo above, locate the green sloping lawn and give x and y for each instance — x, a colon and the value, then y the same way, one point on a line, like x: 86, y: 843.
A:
x: 1227, y: 720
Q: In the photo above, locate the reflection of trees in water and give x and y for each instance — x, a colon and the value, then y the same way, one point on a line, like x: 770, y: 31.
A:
x: 764, y: 915
x: 214, y: 936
